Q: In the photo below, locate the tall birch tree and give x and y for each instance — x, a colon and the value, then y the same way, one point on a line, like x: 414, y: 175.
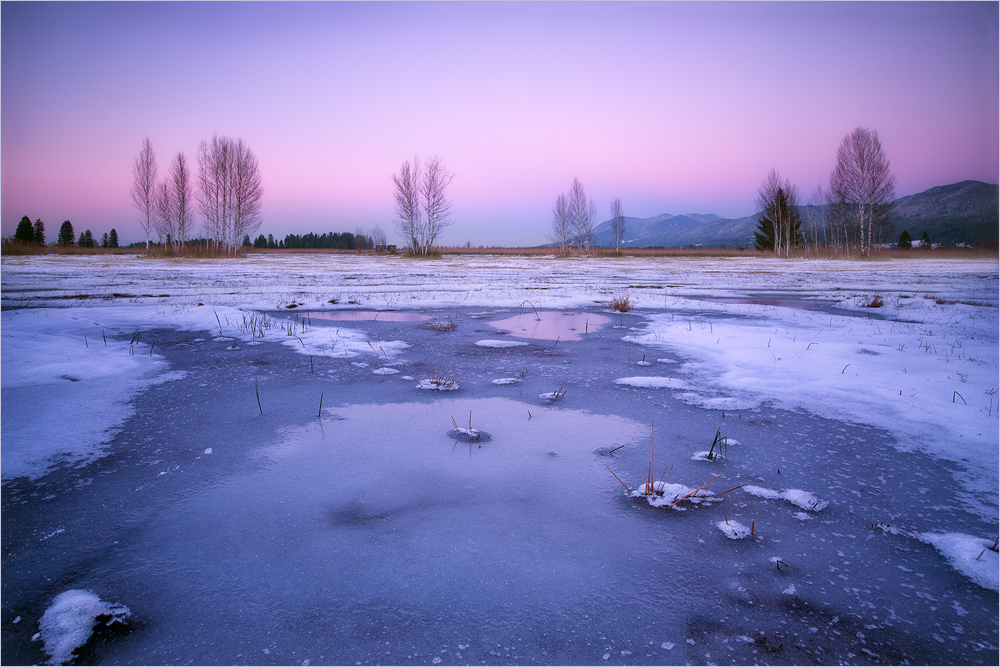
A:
x: 862, y: 187
x: 143, y: 189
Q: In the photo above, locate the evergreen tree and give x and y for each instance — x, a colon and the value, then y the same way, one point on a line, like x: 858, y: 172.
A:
x: 86, y: 239
x: 25, y: 233
x: 113, y: 239
x: 39, y: 232
x: 260, y: 242
x: 104, y: 240
x: 925, y: 240
x: 246, y: 240
x: 270, y: 242
x: 65, y: 234
x: 905, y: 241
x: 778, y: 206
x: 763, y: 236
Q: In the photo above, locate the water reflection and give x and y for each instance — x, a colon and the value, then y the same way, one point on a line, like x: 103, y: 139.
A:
x: 549, y: 325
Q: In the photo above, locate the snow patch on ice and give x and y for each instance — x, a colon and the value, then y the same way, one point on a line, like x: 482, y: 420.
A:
x: 438, y: 384
x: 969, y: 555
x: 385, y: 371
x: 672, y: 495
x: 69, y: 621
x: 734, y: 530
x: 503, y: 381
x: 500, y: 343
x: 652, y: 382
x: 803, y: 499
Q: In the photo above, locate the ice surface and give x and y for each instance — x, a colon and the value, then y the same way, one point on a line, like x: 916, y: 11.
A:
x: 69, y: 621
x: 245, y: 534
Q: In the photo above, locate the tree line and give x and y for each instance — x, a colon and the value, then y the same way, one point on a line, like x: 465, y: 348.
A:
x: 35, y: 234
x: 332, y: 240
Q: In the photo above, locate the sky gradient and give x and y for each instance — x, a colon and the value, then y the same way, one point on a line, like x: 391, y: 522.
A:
x: 673, y: 107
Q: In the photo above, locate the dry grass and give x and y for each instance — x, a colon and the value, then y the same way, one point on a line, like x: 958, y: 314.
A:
x: 874, y: 302
x: 438, y: 326
x: 621, y: 304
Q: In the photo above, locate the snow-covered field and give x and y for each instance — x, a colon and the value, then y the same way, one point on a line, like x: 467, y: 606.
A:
x: 238, y: 452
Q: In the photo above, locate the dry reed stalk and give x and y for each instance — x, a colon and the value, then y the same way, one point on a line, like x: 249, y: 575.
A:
x: 619, y: 479
x: 693, y: 492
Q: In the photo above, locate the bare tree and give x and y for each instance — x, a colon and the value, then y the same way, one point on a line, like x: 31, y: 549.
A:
x: 816, y: 219
x: 422, y: 206
x: 561, y: 224
x: 164, y: 221
x: 582, y: 212
x: 862, y: 187
x: 231, y: 191
x: 434, y: 182
x: 780, y: 224
x: 617, y: 224
x: 377, y: 235
x: 183, y: 200
x: 143, y: 189
x: 409, y: 219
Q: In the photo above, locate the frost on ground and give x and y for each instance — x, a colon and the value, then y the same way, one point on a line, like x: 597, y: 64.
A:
x: 191, y: 442
x: 69, y: 621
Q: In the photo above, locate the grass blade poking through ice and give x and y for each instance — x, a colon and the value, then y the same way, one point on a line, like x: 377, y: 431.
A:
x: 256, y: 391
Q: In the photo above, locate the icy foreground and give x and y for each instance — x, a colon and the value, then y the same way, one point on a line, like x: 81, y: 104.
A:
x: 259, y: 485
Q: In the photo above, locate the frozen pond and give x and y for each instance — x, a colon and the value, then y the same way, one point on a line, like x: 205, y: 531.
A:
x: 553, y: 326
x: 257, y: 488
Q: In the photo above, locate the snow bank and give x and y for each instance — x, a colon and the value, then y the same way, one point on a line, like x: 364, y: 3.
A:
x: 67, y: 365
x: 69, y: 621
x: 797, y: 497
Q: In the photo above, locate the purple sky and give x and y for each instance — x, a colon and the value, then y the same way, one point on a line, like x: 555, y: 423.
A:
x: 673, y: 107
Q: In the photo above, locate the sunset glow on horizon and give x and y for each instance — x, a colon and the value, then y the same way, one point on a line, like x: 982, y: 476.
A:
x: 673, y: 107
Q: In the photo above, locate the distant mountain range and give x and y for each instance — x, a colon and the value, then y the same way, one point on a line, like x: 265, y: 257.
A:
x: 965, y: 212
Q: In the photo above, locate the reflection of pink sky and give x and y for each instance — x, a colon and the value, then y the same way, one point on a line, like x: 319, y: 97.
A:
x: 669, y: 106
x: 552, y: 325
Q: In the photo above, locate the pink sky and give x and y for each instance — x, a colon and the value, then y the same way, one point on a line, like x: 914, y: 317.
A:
x: 673, y: 107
